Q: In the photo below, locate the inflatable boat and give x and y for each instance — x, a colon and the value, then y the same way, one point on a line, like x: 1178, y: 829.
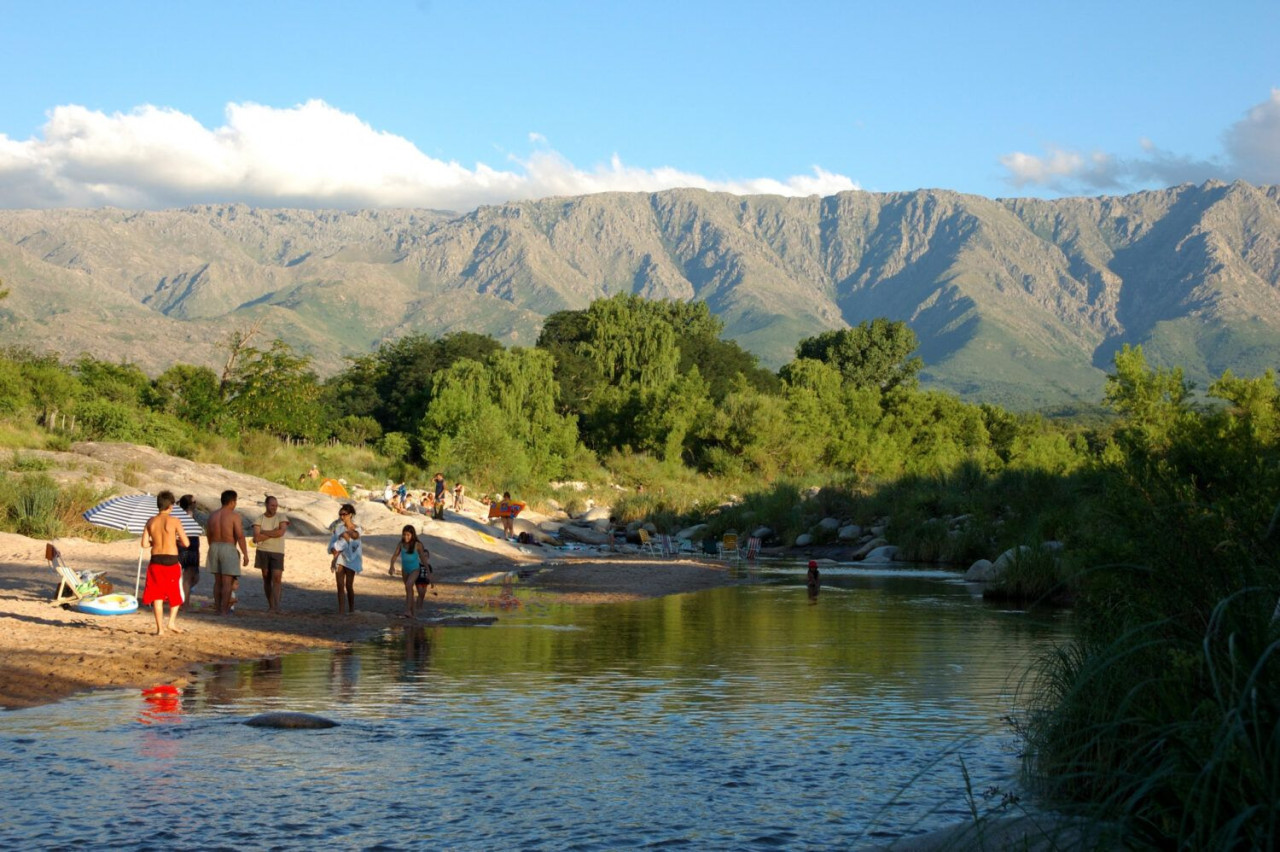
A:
x: 108, y: 605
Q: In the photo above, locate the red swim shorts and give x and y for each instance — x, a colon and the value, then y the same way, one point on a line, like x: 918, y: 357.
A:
x: 164, y: 583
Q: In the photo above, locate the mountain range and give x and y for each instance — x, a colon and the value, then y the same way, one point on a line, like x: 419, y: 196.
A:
x: 1022, y: 302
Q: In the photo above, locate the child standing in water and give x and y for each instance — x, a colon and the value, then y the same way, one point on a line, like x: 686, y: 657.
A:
x: 413, y: 562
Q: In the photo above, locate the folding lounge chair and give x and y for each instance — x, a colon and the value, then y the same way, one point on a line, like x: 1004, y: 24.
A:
x: 753, y: 549
x: 72, y: 587
x: 729, y: 546
x: 669, y: 547
x: 646, y: 543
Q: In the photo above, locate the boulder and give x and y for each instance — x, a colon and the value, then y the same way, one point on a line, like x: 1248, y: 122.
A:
x: 551, y: 527
x: 982, y: 571
x: 596, y: 513
x: 884, y: 553
x: 864, y: 549
x: 584, y: 535
x: 1004, y: 559
x: 693, y: 533
x: 850, y: 532
x: 524, y: 525
x: 829, y: 524
x: 804, y: 540
x: 762, y: 533
x: 290, y: 720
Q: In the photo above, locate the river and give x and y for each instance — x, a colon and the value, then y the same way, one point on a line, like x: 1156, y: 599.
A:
x: 753, y: 716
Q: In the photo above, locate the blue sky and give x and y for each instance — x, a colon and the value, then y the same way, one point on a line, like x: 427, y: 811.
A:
x: 450, y: 104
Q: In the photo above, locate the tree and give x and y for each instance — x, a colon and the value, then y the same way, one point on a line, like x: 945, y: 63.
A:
x: 276, y: 391
x: 874, y: 354
x: 394, y: 384
x: 1153, y: 402
x: 192, y: 394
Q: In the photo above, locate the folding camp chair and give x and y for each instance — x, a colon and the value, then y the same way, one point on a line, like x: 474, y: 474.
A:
x: 729, y: 546
x: 669, y: 547
x: 646, y: 543
x: 753, y: 549
x: 72, y: 587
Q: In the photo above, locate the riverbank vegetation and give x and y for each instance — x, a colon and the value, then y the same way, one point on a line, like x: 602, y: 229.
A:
x: 1162, y: 519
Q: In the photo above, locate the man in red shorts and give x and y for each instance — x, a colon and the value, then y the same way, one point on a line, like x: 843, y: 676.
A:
x: 163, y: 534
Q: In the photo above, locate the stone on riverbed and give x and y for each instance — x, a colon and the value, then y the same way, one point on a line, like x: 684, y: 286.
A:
x: 290, y: 720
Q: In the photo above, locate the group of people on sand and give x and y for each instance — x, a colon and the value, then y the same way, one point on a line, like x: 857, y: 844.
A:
x: 433, y: 501
x: 174, y: 568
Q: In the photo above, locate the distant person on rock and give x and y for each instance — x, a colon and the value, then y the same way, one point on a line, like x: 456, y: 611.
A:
x: 508, y: 509
x: 268, y: 537
x: 164, y: 534
x: 226, y: 535
x: 458, y: 492
x: 438, y: 511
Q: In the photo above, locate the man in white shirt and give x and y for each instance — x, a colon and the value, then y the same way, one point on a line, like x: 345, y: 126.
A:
x: 268, y: 537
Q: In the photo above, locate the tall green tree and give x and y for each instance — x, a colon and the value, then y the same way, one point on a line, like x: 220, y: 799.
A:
x: 1153, y: 402
x: 872, y: 354
x: 276, y: 391
x: 190, y: 393
x: 498, y: 421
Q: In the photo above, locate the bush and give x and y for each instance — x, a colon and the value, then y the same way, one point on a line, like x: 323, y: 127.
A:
x: 33, y: 507
x: 359, y: 431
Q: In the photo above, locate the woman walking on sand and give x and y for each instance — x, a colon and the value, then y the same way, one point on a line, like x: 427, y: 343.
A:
x: 348, y: 556
x: 413, y: 563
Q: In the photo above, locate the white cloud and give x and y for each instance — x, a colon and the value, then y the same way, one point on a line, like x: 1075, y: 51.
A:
x: 1253, y: 142
x: 311, y: 155
x: 1251, y: 152
x: 1059, y: 166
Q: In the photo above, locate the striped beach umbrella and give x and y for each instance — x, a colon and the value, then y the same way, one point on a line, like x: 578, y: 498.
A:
x: 130, y: 514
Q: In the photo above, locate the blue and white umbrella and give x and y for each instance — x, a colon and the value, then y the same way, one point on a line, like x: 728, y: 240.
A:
x: 130, y: 514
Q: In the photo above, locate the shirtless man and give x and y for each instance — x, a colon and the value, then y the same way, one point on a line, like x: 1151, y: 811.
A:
x: 268, y: 536
x: 226, y: 534
x: 163, y: 533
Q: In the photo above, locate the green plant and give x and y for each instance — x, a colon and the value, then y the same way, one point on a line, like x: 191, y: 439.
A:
x: 33, y: 509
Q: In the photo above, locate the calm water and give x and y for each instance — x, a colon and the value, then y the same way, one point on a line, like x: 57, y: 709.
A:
x: 746, y: 717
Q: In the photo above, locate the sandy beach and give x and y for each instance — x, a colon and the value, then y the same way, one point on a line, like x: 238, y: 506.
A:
x: 49, y: 652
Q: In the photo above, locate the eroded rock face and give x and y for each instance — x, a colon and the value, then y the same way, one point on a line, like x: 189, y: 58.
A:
x: 290, y: 721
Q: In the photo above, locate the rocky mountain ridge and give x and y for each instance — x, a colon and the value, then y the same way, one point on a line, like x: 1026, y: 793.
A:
x: 1017, y: 301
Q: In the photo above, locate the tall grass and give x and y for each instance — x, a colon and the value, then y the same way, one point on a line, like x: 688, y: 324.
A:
x: 37, y: 506
x: 1179, y: 740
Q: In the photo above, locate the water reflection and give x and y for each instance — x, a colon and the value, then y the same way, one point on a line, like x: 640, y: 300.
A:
x: 740, y: 717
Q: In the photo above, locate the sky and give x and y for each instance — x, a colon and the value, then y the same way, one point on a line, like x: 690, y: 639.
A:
x: 452, y: 105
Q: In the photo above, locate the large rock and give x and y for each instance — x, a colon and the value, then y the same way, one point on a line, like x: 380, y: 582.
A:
x: 850, y: 532
x: 692, y: 533
x: 862, y: 551
x: 1004, y: 560
x: 804, y: 540
x: 762, y: 533
x: 829, y: 524
x: 982, y: 571
x: 884, y: 553
x: 584, y: 535
x: 290, y: 721
x: 596, y: 513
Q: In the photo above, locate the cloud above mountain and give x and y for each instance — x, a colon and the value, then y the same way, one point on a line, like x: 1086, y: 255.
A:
x: 311, y: 155
x: 1250, y: 152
